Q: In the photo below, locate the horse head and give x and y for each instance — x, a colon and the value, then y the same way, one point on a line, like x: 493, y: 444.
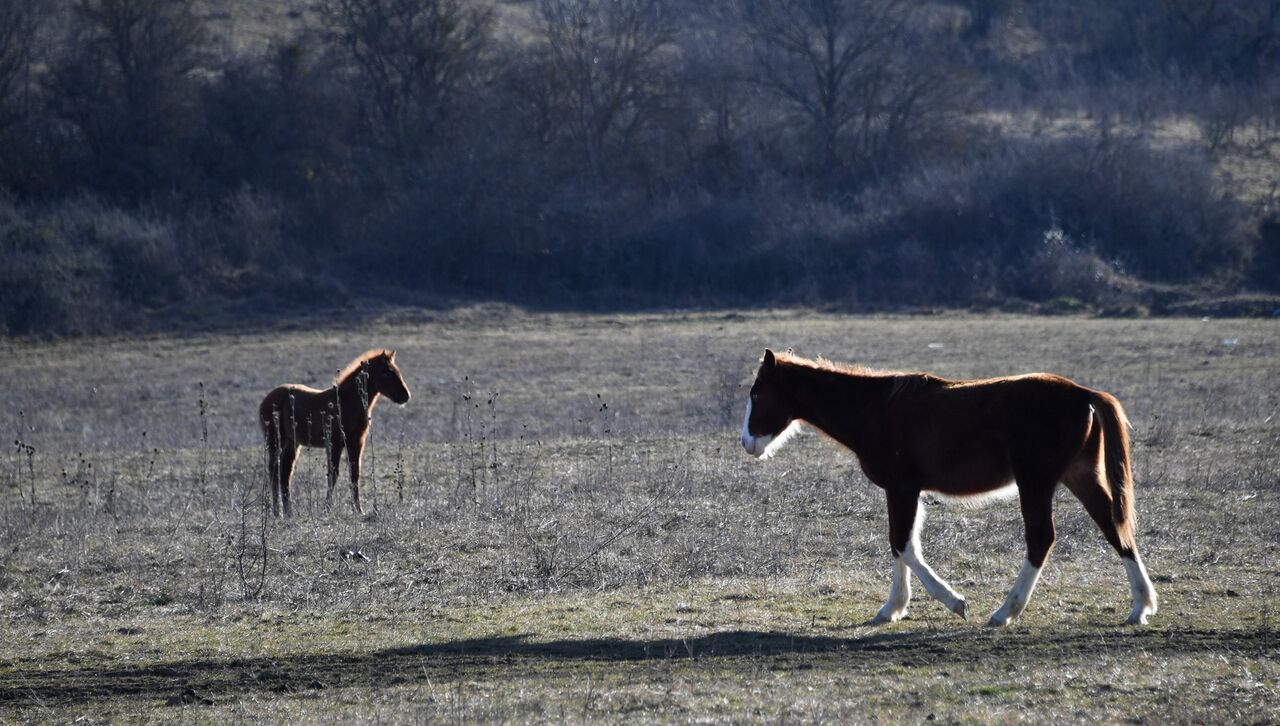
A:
x: 770, y: 411
x: 385, y: 377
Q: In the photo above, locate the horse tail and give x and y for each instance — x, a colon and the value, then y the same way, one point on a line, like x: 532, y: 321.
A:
x: 1115, y: 454
x: 269, y: 418
x: 264, y: 413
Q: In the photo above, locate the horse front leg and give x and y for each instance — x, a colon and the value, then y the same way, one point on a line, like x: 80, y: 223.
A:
x: 905, y: 517
x: 895, y: 608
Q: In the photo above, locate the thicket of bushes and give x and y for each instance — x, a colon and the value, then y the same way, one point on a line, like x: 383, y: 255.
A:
x: 621, y: 152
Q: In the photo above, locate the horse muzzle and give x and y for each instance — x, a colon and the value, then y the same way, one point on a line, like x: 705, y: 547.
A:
x: 756, y: 445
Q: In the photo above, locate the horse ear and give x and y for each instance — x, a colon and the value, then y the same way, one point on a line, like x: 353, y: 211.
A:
x: 768, y: 361
x: 391, y: 355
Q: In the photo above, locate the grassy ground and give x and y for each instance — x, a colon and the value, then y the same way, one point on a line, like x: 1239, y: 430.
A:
x: 565, y: 528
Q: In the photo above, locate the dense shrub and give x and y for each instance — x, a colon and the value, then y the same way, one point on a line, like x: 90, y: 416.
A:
x: 1266, y: 268
x: 82, y: 265
x: 1159, y: 214
x: 51, y: 281
x: 1061, y: 269
x: 1044, y: 219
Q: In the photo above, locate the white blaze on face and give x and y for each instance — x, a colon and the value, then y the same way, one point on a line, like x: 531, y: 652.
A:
x: 767, y: 445
x: 755, y: 445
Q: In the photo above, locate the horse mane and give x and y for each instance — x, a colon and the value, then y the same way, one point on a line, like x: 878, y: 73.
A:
x: 829, y: 366
x: 903, y: 381
x: 354, y: 366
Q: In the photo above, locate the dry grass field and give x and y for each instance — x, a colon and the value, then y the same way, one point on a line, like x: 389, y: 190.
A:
x: 563, y: 527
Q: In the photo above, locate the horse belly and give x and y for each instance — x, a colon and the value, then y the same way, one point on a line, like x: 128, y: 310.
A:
x: 299, y: 413
x: 311, y: 432
x: 970, y: 477
x: 964, y: 464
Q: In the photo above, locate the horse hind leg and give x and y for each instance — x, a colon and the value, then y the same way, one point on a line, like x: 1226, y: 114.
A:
x: 288, y: 460
x: 273, y: 480
x: 1142, y: 592
x: 1088, y: 483
x: 273, y: 468
x: 1037, y: 517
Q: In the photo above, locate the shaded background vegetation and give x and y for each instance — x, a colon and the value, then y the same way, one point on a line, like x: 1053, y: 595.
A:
x: 187, y: 161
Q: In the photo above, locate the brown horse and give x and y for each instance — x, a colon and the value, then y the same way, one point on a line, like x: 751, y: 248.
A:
x: 914, y: 433
x: 336, y: 418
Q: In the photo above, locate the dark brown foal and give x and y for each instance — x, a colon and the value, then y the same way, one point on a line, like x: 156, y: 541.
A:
x: 336, y: 419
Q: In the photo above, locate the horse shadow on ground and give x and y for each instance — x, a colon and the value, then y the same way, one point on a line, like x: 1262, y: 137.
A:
x: 513, y: 656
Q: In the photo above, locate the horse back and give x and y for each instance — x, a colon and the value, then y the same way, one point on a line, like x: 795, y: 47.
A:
x: 286, y: 403
x: 1035, y: 406
x: 976, y: 435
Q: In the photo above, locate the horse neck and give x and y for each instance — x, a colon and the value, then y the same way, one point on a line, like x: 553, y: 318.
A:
x: 349, y: 393
x: 849, y: 407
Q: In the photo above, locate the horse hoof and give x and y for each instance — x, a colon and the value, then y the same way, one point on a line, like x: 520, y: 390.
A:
x: 883, y: 618
x: 961, y: 608
x: 1139, y: 618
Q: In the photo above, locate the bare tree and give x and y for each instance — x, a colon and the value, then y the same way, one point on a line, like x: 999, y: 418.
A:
x: 1239, y: 36
x: 715, y: 63
x: 19, y: 22
x: 127, y: 83
x: 855, y: 71
x: 603, y: 70
x: 412, y: 58
x: 983, y: 15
